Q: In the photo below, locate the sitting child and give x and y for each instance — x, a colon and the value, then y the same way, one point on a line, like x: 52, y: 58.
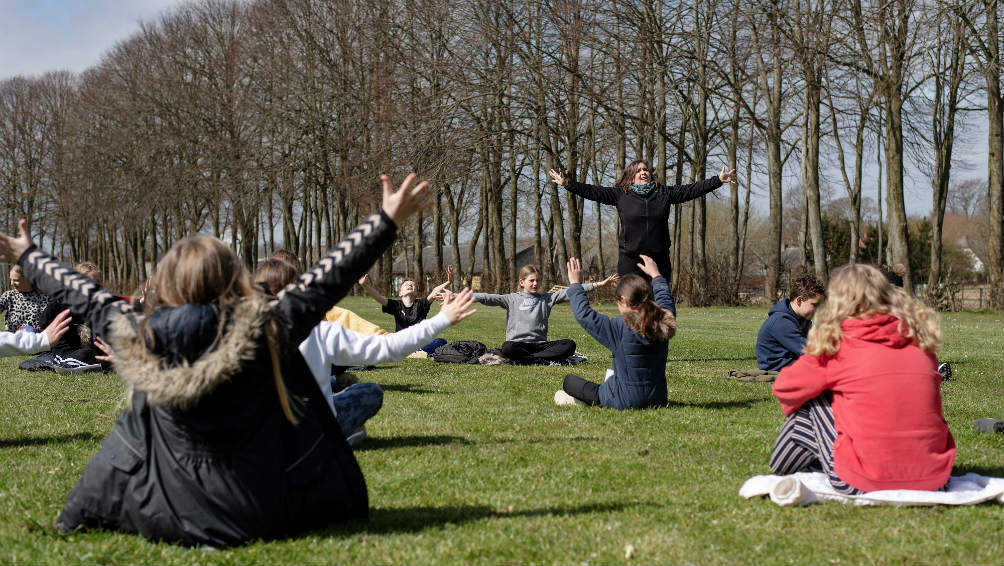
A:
x: 28, y: 342
x: 782, y: 336
x: 638, y: 340
x: 864, y: 402
x: 331, y: 344
x: 527, y: 312
x: 23, y: 304
x: 410, y: 309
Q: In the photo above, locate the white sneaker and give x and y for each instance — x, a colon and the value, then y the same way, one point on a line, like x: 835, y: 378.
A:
x: 565, y: 400
x: 418, y: 354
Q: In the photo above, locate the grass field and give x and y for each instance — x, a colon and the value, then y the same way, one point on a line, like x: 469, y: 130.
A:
x: 470, y: 464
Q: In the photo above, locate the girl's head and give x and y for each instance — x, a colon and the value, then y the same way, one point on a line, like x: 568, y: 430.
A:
x: 198, y: 270
x: 273, y: 275
x: 408, y: 288
x: 288, y: 257
x: 529, y: 279
x: 636, y: 303
x: 860, y: 291
x: 18, y: 281
x: 638, y: 173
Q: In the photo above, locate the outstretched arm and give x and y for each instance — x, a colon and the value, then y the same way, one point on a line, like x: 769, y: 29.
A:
x: 684, y: 193
x: 302, y: 304
x: 372, y: 291
x: 80, y: 294
x: 434, y: 294
x: 492, y: 299
x: 603, y: 195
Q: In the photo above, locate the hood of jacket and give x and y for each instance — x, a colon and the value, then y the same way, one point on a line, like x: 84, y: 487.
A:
x: 191, y: 350
x: 880, y: 329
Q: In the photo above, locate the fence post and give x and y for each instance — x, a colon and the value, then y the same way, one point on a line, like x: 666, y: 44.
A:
x: 981, y: 298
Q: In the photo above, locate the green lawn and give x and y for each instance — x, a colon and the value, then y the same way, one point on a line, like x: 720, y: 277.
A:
x: 470, y: 464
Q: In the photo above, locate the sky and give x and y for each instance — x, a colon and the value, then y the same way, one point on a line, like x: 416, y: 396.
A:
x: 37, y: 36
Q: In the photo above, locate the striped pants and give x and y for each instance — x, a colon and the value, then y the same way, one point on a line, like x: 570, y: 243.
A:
x: 806, y: 443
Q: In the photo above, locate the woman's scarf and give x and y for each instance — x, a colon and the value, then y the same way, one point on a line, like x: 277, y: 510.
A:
x: 643, y: 190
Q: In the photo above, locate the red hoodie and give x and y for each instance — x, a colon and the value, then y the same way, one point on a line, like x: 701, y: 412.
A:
x: 891, y: 433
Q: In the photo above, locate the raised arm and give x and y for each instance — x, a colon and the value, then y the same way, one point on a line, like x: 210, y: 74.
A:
x: 597, y: 325
x: 492, y: 299
x: 372, y: 291
x: 335, y: 344
x: 561, y: 295
x: 80, y: 294
x: 434, y: 294
x: 663, y: 296
x: 603, y: 195
x: 302, y: 304
x: 684, y: 193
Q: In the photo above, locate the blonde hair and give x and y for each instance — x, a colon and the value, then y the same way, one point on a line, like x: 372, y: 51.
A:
x: 202, y: 270
x: 526, y: 271
x: 859, y: 291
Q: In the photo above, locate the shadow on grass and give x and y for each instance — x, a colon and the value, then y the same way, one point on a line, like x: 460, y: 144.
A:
x: 408, y: 388
x: 746, y: 359
x: 545, y: 440
x: 744, y: 404
x: 992, y: 471
x: 415, y: 519
x: 43, y: 440
x: 410, y: 441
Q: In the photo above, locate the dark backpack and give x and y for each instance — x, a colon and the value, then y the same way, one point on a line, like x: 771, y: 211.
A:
x: 462, y: 352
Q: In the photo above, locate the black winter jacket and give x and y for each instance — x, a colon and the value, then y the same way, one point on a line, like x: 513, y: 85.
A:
x: 203, y: 455
x: 644, y: 228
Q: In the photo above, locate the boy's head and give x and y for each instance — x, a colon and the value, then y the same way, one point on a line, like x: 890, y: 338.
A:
x: 408, y: 288
x: 805, y: 295
x: 18, y: 281
x: 529, y: 279
x: 88, y: 269
x: 288, y: 257
x: 274, y: 274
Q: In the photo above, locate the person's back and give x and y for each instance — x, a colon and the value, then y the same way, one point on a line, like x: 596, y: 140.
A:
x: 782, y: 336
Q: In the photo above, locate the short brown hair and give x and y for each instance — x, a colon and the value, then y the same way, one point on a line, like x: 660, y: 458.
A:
x: 807, y: 287
x: 274, y: 274
x: 288, y: 257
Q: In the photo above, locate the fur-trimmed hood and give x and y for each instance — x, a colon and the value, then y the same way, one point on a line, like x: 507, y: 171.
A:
x: 187, y: 357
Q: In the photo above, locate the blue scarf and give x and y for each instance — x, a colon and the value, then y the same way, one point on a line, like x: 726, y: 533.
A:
x: 642, y: 190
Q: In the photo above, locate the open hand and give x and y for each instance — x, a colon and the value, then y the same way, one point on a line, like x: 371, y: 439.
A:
x: 364, y: 279
x: 727, y: 176
x: 455, y: 305
x: 615, y: 278
x: 58, y: 326
x: 558, y: 178
x: 109, y: 356
x: 407, y: 200
x: 11, y: 248
x: 575, y: 272
x: 648, y: 266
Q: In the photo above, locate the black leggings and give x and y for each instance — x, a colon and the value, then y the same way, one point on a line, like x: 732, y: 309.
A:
x: 529, y: 353
x: 628, y: 263
x: 582, y: 389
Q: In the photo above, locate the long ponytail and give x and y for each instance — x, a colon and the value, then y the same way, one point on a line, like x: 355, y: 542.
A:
x: 646, y: 318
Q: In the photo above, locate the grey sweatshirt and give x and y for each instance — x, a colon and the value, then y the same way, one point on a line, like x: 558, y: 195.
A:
x: 526, y: 313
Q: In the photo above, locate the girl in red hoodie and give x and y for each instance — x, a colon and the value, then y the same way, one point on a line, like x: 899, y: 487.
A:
x: 864, y: 401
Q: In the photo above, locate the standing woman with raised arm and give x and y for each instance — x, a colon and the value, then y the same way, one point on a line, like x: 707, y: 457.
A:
x: 643, y: 205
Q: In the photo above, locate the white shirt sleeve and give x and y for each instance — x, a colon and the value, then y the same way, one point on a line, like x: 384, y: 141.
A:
x: 23, y: 342
x: 331, y: 343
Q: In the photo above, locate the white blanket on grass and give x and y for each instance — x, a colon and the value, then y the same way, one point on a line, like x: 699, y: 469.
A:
x: 805, y: 488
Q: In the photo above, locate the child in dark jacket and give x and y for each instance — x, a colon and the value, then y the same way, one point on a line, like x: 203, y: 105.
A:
x: 864, y: 402
x: 226, y: 437
x: 782, y: 336
x: 638, y: 340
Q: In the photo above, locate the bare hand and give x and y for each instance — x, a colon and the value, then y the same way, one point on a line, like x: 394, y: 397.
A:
x: 612, y: 279
x: 11, y: 248
x: 407, y: 200
x: 558, y: 178
x: 574, y: 271
x: 58, y: 326
x: 109, y: 356
x: 455, y: 305
x: 364, y: 279
x: 727, y: 176
x: 648, y: 266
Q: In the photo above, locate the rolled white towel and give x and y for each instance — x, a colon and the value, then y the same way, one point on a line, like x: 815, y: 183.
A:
x: 788, y: 491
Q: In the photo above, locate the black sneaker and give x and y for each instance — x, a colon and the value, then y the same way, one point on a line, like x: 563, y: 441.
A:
x: 945, y: 370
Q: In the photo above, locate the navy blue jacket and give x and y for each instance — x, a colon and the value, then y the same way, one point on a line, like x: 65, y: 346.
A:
x: 781, y: 337
x: 639, y: 378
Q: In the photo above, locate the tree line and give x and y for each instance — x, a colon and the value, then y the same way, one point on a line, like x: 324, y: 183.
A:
x: 267, y: 122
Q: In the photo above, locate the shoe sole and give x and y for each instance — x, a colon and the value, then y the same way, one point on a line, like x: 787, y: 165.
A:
x: 563, y: 399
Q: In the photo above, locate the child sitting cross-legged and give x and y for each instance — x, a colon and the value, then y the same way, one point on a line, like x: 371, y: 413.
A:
x: 863, y: 404
x: 23, y: 303
x: 638, y: 340
x: 410, y: 309
x: 782, y: 336
x: 527, y: 311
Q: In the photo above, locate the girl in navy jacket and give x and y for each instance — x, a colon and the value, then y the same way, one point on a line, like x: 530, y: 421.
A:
x: 637, y: 339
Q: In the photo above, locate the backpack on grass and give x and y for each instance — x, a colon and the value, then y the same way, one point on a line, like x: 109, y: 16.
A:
x: 462, y: 352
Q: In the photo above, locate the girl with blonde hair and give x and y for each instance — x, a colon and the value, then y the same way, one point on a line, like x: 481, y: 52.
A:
x: 226, y: 437
x: 863, y: 404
